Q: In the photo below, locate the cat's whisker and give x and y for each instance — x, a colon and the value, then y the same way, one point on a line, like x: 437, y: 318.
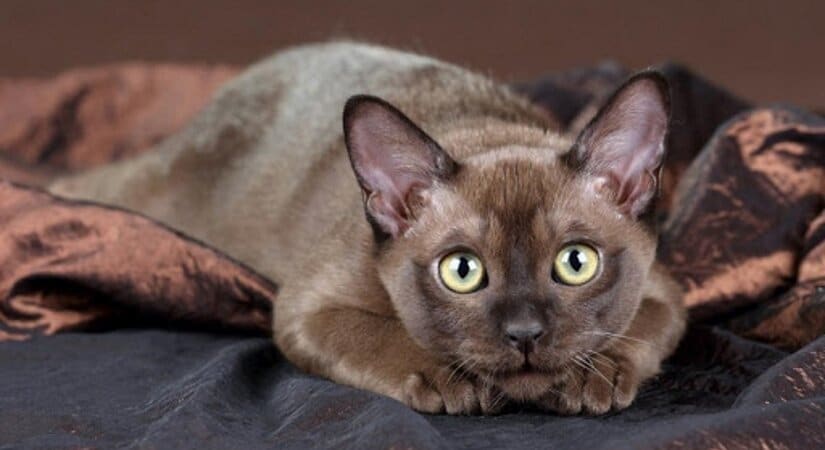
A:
x: 499, y: 398
x: 605, y: 362
x: 456, y: 369
x: 574, y: 377
x: 466, y: 364
x: 554, y: 391
x: 566, y: 369
x: 602, y: 359
x: 588, y: 365
x: 489, y: 384
x: 597, y: 371
x: 619, y: 336
x: 576, y: 359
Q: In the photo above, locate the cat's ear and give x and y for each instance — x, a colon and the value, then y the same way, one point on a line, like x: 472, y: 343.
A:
x: 622, y: 149
x: 393, y: 159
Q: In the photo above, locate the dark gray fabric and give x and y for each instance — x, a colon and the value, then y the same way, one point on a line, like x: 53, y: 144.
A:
x: 164, y: 389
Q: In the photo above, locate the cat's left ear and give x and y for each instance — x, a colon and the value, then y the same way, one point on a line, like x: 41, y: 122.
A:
x: 622, y: 149
x: 393, y: 159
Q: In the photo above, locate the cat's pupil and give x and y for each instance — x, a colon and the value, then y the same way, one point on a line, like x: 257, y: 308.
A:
x: 575, y: 261
x: 463, y: 267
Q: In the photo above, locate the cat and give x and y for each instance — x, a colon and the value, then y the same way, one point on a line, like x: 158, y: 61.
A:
x: 433, y: 239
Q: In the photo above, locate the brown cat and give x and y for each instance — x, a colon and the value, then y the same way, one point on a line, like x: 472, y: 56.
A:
x: 498, y: 261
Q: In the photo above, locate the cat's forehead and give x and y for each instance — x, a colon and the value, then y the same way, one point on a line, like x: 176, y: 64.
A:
x: 539, y: 157
x: 519, y: 192
x: 514, y: 180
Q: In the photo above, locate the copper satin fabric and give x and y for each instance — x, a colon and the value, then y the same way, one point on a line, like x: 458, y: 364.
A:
x: 72, y: 266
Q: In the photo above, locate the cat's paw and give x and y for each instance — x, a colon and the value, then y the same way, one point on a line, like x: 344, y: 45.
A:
x: 606, y: 384
x: 612, y: 384
x: 440, y: 390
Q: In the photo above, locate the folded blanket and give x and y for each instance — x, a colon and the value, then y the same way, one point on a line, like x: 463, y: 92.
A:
x: 743, y: 231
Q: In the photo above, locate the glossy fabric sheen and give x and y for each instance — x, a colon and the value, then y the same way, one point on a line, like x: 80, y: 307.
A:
x: 117, y: 331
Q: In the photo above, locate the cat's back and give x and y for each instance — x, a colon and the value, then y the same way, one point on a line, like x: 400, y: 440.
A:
x: 266, y: 160
x: 307, y: 87
x: 261, y: 134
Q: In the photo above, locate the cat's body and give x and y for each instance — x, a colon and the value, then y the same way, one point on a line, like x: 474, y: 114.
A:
x: 264, y: 175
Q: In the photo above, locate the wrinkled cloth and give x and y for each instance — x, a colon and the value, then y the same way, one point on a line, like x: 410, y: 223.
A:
x: 742, y: 230
x: 73, y: 265
x: 88, y: 117
x: 167, y: 389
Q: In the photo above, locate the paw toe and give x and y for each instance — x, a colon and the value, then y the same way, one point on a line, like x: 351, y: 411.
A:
x: 627, y: 386
x: 569, y: 400
x: 597, y: 396
x: 460, y: 398
x: 421, y: 397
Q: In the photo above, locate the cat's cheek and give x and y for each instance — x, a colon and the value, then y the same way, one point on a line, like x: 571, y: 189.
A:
x: 401, y: 279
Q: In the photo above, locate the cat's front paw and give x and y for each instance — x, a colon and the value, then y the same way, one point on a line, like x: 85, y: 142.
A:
x: 441, y: 390
x: 604, y: 383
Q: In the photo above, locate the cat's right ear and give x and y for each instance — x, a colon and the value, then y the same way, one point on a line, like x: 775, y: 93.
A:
x: 622, y: 149
x: 393, y: 160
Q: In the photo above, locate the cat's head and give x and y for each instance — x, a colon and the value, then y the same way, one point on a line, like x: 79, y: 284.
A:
x: 512, y: 261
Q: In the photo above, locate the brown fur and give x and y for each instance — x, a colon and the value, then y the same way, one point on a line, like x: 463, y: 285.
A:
x: 263, y: 175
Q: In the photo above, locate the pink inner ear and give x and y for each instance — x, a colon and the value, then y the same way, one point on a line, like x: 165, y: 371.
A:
x: 393, y: 172
x: 386, y: 215
x: 625, y: 144
x: 392, y: 158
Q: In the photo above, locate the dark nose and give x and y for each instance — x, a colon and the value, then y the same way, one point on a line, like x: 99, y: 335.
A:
x: 523, y: 334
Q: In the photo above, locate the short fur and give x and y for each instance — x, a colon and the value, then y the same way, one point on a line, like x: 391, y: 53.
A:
x: 265, y: 174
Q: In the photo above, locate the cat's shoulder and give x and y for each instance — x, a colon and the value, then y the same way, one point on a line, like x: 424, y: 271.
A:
x: 339, y: 58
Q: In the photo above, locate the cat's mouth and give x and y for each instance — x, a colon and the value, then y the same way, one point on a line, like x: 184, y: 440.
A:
x: 526, y: 376
x: 523, y: 373
x: 528, y: 370
x: 529, y: 381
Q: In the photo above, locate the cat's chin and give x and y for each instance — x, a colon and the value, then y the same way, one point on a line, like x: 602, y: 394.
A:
x: 527, y: 384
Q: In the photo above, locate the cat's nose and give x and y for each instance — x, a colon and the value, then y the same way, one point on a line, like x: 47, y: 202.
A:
x: 523, y: 334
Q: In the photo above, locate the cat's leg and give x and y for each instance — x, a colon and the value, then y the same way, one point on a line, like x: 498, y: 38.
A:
x: 374, y: 352
x: 611, y: 378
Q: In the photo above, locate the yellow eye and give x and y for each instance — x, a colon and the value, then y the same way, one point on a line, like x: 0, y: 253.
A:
x: 461, y: 272
x: 576, y: 264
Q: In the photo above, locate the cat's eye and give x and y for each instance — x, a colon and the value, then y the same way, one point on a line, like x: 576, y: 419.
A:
x: 576, y: 264
x: 461, y: 272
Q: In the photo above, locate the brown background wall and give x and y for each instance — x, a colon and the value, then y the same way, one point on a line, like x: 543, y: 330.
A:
x: 764, y: 50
